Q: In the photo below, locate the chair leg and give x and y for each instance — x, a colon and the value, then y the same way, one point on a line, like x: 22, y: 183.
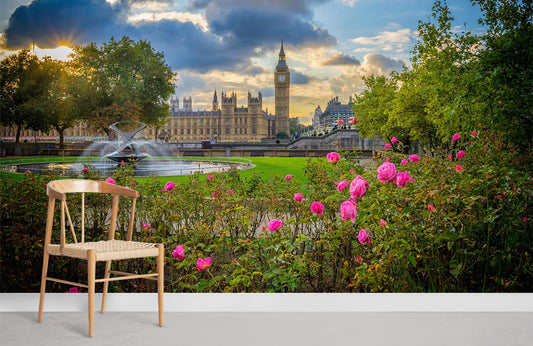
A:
x: 160, y: 281
x: 91, y: 272
x: 43, y: 285
x: 106, y: 285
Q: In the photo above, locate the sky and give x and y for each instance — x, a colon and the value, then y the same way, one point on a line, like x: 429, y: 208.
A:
x: 233, y: 45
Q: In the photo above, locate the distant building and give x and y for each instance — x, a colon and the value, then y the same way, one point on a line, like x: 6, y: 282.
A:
x: 316, y: 117
x: 227, y: 123
x: 224, y: 122
x: 336, y: 112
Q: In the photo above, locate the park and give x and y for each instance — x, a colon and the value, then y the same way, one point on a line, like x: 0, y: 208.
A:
x: 444, y: 206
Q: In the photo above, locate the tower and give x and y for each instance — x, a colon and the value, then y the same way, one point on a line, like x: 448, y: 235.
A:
x: 215, y: 102
x: 282, y: 81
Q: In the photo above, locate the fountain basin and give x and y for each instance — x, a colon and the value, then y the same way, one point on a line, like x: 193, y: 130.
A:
x: 144, y: 168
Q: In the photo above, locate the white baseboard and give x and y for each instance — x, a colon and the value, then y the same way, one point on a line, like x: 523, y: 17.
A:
x: 276, y: 302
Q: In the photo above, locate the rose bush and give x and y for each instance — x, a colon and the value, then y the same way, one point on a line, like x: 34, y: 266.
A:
x: 414, y: 227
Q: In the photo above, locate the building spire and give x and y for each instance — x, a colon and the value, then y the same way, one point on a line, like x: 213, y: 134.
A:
x: 281, y: 52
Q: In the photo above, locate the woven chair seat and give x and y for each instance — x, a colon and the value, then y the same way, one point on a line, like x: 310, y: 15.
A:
x: 106, y: 250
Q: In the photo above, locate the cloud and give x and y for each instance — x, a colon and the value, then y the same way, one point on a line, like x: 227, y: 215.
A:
x: 378, y: 64
x: 52, y: 23
x: 195, y: 18
x: 397, y: 41
x: 341, y: 59
x: 299, y: 78
x: 350, y: 3
x: 227, y: 36
x: 255, y: 25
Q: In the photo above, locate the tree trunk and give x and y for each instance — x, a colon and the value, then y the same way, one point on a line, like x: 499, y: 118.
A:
x: 19, y: 129
x: 61, y: 132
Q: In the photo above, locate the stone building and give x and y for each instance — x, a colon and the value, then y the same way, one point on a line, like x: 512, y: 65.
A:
x: 224, y: 122
x: 316, y: 117
x: 336, y: 111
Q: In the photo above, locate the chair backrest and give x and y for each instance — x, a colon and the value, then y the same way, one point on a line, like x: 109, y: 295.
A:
x: 58, y: 190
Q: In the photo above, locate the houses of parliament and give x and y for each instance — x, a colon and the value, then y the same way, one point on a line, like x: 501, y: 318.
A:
x: 224, y: 122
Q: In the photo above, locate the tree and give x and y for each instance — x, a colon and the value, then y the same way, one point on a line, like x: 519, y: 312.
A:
x: 59, y: 103
x: 282, y: 135
x: 23, y: 81
x: 374, y: 108
x: 125, y: 80
x: 432, y: 100
x: 443, y: 68
x: 506, y: 70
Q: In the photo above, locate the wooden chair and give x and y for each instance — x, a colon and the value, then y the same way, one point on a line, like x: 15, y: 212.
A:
x: 93, y: 252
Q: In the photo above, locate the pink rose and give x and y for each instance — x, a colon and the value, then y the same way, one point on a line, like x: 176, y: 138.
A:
x: 387, y: 172
x: 349, y: 210
x: 414, y: 158
x: 210, y: 176
x: 449, y: 156
x: 358, y: 187
x: 458, y: 168
x: 202, y: 263
x: 474, y: 133
x: 359, y: 259
x: 122, y: 162
x: 146, y: 225
x: 317, y: 208
x: 274, y: 225
x: 333, y: 157
x: 382, y: 223
x: 363, y: 237
x: 288, y: 177
x: 402, y: 178
x: 387, y: 146
x: 110, y: 181
x: 456, y: 137
x: 341, y: 185
x: 460, y: 154
x: 230, y: 192
x: 179, y: 253
x: 85, y: 170
x: 298, y: 197
x: 73, y: 290
x: 404, y: 162
x: 394, y: 140
x: 431, y: 207
x: 169, y: 185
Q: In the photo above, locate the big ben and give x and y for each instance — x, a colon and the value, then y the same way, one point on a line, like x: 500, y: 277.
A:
x: 282, y: 81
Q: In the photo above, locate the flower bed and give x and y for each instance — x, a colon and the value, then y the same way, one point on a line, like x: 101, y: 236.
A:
x: 409, y: 224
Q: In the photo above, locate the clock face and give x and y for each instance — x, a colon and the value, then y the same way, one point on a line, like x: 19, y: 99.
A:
x: 281, y: 78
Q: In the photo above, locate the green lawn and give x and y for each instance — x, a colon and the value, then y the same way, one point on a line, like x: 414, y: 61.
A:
x: 265, y: 166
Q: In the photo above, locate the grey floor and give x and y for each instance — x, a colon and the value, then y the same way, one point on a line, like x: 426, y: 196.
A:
x: 267, y: 328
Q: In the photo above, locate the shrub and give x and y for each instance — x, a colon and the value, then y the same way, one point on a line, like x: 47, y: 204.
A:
x: 420, y: 225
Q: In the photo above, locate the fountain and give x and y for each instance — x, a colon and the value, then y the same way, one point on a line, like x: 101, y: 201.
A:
x: 127, y: 151
x: 127, y: 148
x: 147, y: 157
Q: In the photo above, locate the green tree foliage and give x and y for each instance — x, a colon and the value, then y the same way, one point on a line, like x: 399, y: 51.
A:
x: 505, y: 68
x: 125, y: 80
x: 458, y: 82
x: 23, y: 82
x: 373, y: 107
x: 59, y: 103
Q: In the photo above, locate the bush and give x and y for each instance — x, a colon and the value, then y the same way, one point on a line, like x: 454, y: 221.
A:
x: 462, y: 223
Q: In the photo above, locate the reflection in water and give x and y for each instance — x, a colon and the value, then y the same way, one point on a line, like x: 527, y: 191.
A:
x: 143, y: 168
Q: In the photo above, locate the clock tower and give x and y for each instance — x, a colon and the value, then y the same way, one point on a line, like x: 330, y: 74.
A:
x: 282, y: 81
